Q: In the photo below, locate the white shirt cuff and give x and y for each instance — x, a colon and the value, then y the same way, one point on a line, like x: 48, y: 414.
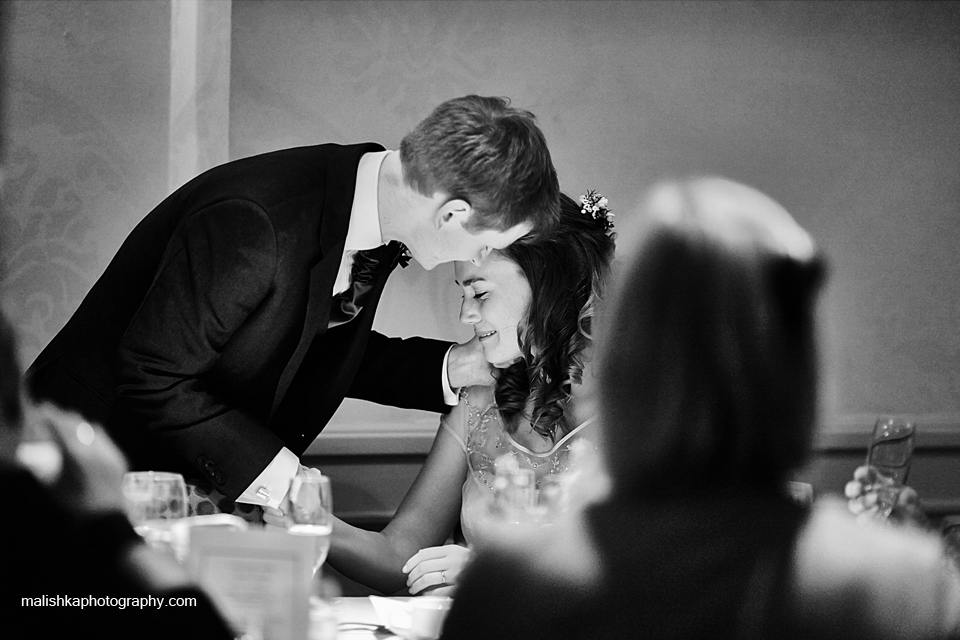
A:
x: 450, y: 397
x: 271, y: 486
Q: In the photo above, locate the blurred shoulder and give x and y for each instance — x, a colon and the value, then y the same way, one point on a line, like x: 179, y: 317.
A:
x: 881, y: 578
x: 563, y: 554
x: 833, y: 539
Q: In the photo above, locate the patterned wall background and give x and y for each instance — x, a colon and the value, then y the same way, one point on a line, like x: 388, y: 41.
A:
x: 844, y: 112
x: 84, y: 152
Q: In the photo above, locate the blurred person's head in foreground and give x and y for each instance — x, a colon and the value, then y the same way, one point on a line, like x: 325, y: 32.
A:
x: 707, y: 367
x: 11, y: 404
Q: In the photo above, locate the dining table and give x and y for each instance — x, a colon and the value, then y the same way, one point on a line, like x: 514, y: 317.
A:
x: 356, y: 619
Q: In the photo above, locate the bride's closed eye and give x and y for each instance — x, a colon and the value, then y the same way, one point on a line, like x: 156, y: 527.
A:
x: 477, y: 295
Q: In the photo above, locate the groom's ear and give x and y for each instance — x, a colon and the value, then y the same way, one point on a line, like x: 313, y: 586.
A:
x: 453, y: 211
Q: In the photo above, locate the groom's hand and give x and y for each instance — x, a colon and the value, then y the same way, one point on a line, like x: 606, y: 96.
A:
x: 467, y: 366
x: 279, y: 517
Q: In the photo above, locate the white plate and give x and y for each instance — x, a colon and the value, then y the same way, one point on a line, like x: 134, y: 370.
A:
x: 394, y: 614
x: 412, y: 618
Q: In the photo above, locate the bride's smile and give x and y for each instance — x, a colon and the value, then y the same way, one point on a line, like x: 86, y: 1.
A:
x: 496, y: 297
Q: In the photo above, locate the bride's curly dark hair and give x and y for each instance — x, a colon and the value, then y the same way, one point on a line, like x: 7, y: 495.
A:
x: 566, y: 268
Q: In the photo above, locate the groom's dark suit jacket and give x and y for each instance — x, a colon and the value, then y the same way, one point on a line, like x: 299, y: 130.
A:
x: 204, y: 347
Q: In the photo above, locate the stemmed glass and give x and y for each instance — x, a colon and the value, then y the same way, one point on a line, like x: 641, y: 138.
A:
x: 311, y: 513
x: 890, y: 454
x: 151, y: 498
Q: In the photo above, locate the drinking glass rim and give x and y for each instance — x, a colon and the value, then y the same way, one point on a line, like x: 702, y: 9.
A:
x: 154, y: 475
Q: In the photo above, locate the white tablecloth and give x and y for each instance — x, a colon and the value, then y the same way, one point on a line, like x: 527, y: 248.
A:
x: 356, y: 620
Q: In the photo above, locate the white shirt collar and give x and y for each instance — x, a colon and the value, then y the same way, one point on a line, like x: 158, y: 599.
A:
x: 363, y: 232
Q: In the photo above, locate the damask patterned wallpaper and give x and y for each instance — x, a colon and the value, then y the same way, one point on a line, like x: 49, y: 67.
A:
x: 844, y: 112
x: 84, y: 152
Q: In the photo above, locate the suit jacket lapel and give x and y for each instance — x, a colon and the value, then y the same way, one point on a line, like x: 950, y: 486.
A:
x: 339, y: 182
x: 325, y: 377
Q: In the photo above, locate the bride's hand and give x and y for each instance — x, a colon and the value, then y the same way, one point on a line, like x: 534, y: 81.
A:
x: 436, y: 569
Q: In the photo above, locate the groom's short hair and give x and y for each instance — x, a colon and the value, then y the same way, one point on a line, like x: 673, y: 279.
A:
x: 482, y: 150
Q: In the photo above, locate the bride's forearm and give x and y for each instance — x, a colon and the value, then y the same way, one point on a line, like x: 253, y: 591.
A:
x: 369, y: 557
x: 425, y: 518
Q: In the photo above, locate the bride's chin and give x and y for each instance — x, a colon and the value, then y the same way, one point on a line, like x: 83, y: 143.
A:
x: 507, y: 364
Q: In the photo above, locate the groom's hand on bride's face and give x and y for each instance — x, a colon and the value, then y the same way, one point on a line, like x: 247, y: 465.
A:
x: 468, y: 367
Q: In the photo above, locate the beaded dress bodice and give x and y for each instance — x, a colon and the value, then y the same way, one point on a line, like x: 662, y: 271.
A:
x: 478, y: 427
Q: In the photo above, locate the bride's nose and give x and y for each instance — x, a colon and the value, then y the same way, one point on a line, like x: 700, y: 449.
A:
x: 468, y: 311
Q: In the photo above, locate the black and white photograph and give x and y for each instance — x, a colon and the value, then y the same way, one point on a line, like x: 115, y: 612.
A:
x: 480, y: 319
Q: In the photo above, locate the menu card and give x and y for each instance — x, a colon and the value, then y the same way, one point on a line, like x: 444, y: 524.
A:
x: 259, y: 580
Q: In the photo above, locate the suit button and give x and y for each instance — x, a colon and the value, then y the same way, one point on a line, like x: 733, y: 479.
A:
x: 202, y: 460
x: 220, y: 478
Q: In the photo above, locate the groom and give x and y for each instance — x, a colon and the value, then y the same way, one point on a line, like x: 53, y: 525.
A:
x: 238, y: 314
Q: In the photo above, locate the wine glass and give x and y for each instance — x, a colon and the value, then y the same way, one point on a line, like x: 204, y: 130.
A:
x: 311, y: 513
x: 151, y: 499
x: 890, y: 454
x: 514, y: 492
x: 801, y: 493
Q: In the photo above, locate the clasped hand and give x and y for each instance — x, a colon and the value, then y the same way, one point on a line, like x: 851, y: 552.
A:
x: 92, y: 466
x: 436, y: 569
x: 863, y: 498
x: 279, y: 517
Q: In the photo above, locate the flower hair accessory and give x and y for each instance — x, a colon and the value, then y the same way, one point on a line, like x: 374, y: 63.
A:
x: 595, y: 206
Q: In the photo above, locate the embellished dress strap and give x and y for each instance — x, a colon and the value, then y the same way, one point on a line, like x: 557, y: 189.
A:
x: 463, y: 417
x: 558, y: 444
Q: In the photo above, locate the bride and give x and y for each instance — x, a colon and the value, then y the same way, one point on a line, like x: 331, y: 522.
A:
x: 530, y: 306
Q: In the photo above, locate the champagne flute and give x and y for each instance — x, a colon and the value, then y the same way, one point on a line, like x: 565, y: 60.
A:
x: 551, y: 497
x: 890, y: 454
x: 311, y: 513
x: 514, y: 492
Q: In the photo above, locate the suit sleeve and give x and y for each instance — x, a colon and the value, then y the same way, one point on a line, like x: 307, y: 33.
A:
x: 402, y: 372
x: 218, y: 267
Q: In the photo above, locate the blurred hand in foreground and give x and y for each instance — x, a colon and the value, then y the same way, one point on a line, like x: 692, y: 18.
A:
x: 870, y: 493
x: 436, y: 569
x: 92, y: 470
